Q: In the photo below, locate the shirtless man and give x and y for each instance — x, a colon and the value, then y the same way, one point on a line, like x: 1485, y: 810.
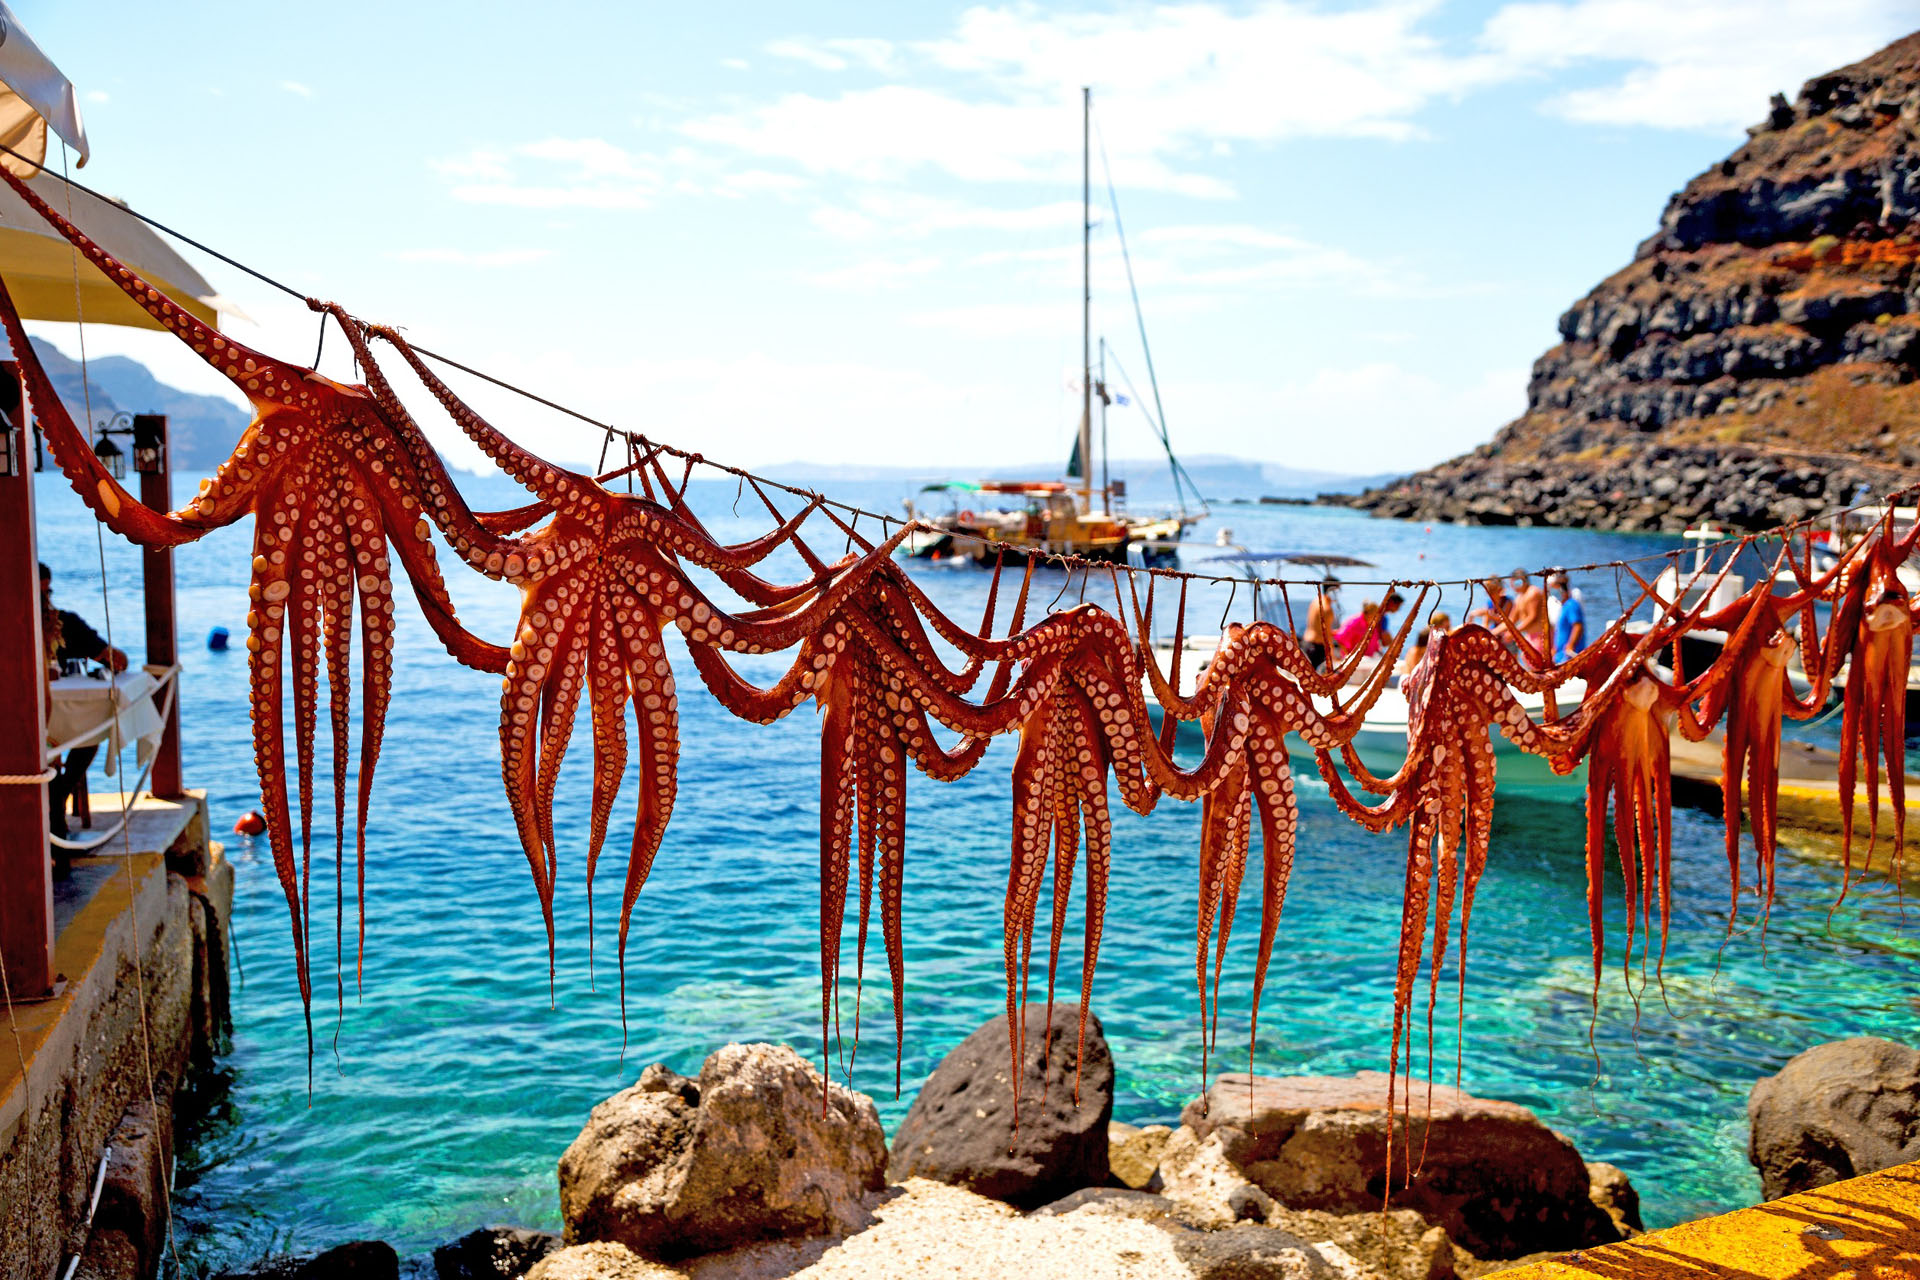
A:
x: 1530, y: 620
x: 1323, y: 616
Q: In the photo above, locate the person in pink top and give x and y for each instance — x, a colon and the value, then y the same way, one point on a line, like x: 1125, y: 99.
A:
x: 1368, y: 628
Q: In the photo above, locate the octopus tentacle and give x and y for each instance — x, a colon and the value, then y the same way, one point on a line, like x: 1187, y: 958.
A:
x: 269, y: 589
x: 607, y: 695
x: 1279, y: 821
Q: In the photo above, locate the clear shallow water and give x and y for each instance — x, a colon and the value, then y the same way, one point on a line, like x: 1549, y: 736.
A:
x: 442, y: 1097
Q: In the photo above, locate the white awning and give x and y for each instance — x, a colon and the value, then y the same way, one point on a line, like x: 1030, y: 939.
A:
x: 33, y: 95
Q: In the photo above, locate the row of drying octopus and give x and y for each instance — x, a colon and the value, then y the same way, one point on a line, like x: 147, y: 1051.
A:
x: 341, y: 482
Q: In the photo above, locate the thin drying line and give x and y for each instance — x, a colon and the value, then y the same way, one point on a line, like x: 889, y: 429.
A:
x: 1056, y: 558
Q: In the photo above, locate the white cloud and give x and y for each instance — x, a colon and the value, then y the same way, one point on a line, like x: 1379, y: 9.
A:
x: 838, y: 55
x: 296, y: 88
x: 98, y: 96
x: 555, y: 173
x: 736, y: 64
x: 1707, y: 64
x: 1178, y: 83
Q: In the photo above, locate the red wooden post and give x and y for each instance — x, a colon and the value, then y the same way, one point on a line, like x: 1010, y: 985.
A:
x: 26, y: 871
x: 156, y: 491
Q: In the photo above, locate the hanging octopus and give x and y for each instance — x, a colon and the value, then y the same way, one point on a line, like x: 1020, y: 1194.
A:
x: 1249, y: 698
x: 1624, y: 729
x: 600, y: 582
x: 1872, y: 632
x: 1750, y: 684
x: 333, y: 491
x: 1456, y: 697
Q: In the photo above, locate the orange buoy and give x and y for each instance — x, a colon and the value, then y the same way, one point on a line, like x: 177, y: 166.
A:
x: 251, y: 824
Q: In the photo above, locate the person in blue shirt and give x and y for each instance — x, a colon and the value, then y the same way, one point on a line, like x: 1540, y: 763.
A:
x: 1570, y: 629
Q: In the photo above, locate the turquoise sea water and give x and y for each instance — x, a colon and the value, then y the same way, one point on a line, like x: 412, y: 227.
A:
x: 444, y: 1093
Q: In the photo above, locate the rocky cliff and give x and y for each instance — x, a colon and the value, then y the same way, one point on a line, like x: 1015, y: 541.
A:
x: 1757, y: 361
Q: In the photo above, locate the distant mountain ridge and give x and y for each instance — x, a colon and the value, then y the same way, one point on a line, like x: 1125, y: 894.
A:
x: 1220, y: 476
x: 201, y: 430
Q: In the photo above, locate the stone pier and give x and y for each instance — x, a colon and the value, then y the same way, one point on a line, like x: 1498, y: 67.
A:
x: 88, y: 1078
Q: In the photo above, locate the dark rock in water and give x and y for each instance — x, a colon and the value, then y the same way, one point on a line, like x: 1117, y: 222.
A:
x: 355, y: 1260
x: 751, y: 1151
x: 1838, y: 1110
x: 493, y: 1253
x: 961, y: 1129
x: 1502, y: 1183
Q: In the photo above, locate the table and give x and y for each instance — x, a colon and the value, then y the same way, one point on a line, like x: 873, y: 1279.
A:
x: 87, y: 710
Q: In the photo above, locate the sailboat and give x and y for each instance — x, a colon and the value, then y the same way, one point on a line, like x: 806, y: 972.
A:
x: 1067, y: 517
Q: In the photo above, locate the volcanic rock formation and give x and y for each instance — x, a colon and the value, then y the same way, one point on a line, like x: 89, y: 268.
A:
x: 1757, y: 360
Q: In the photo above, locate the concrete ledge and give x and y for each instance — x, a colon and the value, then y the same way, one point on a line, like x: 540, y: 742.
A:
x: 1863, y: 1227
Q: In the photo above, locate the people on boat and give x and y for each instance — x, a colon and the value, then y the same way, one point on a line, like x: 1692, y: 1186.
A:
x: 1323, y: 617
x: 1530, y: 632
x: 1369, y: 630
x: 1570, y: 624
x: 1361, y: 631
x: 67, y: 640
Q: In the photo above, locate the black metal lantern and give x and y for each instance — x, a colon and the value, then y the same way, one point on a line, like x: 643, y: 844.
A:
x: 112, y: 457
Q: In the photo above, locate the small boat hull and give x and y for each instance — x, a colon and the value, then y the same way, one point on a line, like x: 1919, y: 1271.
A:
x: 1384, y: 749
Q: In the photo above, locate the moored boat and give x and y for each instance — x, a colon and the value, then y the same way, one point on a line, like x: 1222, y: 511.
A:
x: 1069, y: 517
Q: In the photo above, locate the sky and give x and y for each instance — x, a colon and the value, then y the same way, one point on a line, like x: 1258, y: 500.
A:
x: 846, y: 234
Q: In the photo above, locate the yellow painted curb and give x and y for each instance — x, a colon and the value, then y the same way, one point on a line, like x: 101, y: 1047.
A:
x: 1862, y: 1229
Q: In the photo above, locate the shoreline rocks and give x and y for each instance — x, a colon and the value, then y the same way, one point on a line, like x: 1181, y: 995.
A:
x: 759, y: 1169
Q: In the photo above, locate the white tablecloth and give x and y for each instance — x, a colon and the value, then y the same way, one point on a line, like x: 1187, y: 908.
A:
x: 86, y: 711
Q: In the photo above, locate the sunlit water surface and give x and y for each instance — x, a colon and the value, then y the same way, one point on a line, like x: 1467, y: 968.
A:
x: 446, y: 1085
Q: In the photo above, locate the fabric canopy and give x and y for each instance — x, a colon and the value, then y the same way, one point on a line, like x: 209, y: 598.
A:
x: 41, y: 269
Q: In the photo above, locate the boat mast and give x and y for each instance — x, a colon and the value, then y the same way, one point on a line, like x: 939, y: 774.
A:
x: 1086, y: 299
x: 1106, y: 476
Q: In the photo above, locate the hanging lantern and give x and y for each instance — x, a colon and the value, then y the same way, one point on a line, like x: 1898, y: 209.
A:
x: 112, y: 457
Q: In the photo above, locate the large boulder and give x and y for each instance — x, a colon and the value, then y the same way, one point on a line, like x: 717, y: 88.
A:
x: 1838, y: 1110
x: 752, y: 1150
x: 1502, y: 1183
x: 961, y: 1130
